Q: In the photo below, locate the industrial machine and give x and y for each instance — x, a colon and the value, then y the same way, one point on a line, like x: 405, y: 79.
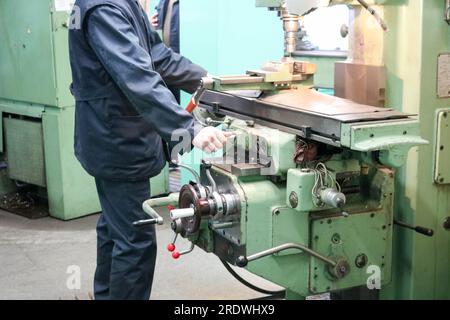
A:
x: 322, y: 194
x: 39, y: 173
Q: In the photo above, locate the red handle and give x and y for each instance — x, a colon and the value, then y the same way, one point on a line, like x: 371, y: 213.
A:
x: 191, y: 106
x: 171, y: 247
x: 176, y: 255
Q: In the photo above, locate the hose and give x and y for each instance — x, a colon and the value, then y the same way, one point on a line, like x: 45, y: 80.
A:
x: 248, y: 284
x: 374, y: 13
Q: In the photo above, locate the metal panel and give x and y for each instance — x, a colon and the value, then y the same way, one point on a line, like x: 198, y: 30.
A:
x: 441, y: 165
x: 336, y: 237
x: 25, y: 151
x: 34, y: 53
x: 26, y: 51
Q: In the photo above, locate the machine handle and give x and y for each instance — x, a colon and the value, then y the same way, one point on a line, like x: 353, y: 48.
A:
x: 155, y: 217
x: 194, y: 173
x: 243, y: 261
x: 176, y: 255
x: 422, y: 230
x: 206, y: 83
x: 176, y: 214
x: 191, y: 106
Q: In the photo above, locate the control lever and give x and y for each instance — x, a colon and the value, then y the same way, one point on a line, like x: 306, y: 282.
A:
x: 422, y: 230
x: 155, y: 217
x: 243, y: 261
x: 206, y: 83
x: 194, y: 173
x: 207, y: 166
x: 175, y: 254
x: 171, y: 247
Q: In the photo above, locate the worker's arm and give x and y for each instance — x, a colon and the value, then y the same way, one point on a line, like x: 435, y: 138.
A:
x: 116, y: 44
x: 177, y: 71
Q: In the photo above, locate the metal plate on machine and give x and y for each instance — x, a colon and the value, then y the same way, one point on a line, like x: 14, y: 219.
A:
x: 364, y: 240
x: 298, y: 109
x: 25, y: 151
x: 328, y: 106
x: 443, y: 74
x: 442, y: 168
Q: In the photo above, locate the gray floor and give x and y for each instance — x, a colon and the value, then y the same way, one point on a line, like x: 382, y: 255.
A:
x: 35, y: 256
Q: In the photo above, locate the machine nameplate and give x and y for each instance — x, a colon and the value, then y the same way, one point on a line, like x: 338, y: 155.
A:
x: 443, y: 74
x: 442, y: 169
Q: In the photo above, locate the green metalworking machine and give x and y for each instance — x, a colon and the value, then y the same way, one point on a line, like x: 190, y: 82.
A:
x: 321, y: 194
x: 37, y: 110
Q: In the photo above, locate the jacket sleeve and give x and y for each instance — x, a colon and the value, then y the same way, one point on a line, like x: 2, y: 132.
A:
x: 114, y: 40
x: 176, y: 70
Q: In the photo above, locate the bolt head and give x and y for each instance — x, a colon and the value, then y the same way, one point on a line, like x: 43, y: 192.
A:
x: 293, y: 199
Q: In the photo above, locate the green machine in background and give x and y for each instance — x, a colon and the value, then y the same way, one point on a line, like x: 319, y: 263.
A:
x: 37, y: 110
x: 320, y: 199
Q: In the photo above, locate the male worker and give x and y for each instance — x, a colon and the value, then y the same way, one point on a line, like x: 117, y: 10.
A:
x: 125, y: 115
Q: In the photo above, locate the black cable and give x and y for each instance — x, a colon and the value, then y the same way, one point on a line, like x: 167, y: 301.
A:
x: 248, y: 284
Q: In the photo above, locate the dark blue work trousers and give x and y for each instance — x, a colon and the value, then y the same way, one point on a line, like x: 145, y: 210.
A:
x: 126, y: 255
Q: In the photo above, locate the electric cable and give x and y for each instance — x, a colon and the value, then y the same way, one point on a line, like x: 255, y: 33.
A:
x: 248, y: 284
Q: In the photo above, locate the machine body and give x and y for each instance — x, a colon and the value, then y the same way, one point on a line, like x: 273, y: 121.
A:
x: 332, y: 184
x: 306, y: 176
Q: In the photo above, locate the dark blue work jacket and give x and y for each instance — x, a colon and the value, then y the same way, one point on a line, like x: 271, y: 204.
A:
x: 124, y: 110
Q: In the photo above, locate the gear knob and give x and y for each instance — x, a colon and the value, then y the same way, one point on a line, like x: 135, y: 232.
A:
x: 241, y: 262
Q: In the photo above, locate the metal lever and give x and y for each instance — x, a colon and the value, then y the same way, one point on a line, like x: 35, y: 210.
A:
x: 206, y: 83
x: 155, y: 217
x: 176, y: 255
x: 207, y: 166
x: 422, y: 230
x: 194, y: 173
x: 243, y: 261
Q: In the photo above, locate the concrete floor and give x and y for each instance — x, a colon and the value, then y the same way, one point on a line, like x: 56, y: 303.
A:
x: 35, y: 255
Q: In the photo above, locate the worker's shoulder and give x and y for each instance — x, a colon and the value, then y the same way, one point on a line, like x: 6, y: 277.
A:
x: 105, y: 11
x: 115, y: 5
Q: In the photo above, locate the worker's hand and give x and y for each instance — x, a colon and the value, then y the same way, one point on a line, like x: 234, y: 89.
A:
x: 210, y: 139
x: 154, y: 20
